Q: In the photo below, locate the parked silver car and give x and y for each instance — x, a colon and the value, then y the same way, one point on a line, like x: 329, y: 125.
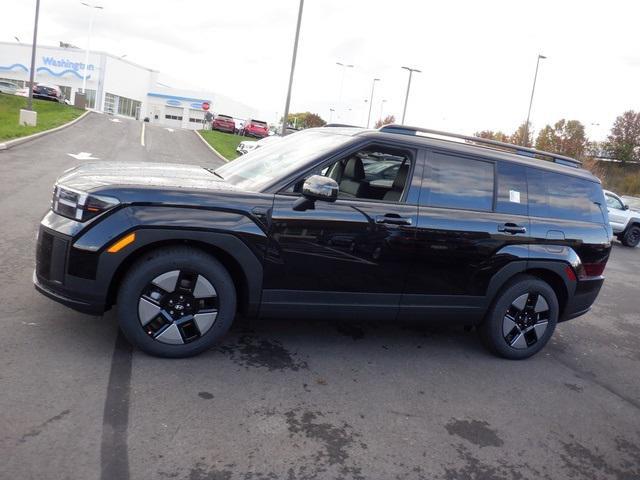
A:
x: 8, y: 87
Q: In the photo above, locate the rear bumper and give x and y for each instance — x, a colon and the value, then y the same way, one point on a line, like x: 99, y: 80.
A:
x: 583, y: 298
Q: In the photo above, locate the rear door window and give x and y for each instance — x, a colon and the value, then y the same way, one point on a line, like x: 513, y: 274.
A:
x: 512, y: 189
x: 553, y: 195
x: 454, y: 181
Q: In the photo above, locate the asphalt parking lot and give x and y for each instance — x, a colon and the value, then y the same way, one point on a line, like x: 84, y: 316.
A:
x: 295, y: 399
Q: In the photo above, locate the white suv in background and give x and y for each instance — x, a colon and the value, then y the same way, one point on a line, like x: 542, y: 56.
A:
x: 624, y: 221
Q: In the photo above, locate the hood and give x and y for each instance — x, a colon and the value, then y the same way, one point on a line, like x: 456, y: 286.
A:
x: 92, y: 176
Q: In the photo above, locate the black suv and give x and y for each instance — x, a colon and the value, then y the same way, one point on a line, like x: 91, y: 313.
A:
x: 468, y: 232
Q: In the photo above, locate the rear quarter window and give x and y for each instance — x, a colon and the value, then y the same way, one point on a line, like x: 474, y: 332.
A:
x: 554, y: 195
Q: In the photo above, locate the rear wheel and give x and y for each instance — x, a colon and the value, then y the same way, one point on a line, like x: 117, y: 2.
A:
x: 176, y: 302
x: 631, y: 237
x: 521, y: 319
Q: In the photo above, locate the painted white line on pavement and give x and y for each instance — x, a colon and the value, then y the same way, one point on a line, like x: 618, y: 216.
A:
x: 142, y: 134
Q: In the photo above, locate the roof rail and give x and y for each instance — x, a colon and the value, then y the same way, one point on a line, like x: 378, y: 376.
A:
x: 484, y: 142
x: 340, y: 125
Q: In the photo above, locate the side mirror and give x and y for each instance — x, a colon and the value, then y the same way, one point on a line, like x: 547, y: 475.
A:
x: 626, y: 207
x: 322, y: 188
x: 316, y: 187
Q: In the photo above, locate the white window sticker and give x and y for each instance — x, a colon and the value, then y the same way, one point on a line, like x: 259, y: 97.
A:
x: 514, y: 196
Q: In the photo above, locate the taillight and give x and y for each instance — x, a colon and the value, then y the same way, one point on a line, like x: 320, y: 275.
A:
x: 593, y: 269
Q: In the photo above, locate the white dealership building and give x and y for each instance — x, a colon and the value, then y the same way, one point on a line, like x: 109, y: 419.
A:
x: 115, y: 85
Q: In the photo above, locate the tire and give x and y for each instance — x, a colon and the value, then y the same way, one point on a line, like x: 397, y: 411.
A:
x: 521, y: 319
x: 631, y: 237
x: 176, y: 315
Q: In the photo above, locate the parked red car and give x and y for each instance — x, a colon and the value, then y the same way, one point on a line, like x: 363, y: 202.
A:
x: 224, y: 123
x: 256, y: 128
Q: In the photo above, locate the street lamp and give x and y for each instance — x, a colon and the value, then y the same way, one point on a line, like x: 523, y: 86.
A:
x: 343, y: 67
x: 17, y: 39
x: 533, y: 89
x: 373, y: 86
x: 33, y: 59
x: 86, y: 55
x: 331, y: 110
x: 406, y: 99
x: 293, y: 67
x: 382, y: 106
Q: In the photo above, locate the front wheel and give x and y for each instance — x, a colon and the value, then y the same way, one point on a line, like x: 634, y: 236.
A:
x: 522, y: 318
x: 631, y: 237
x: 176, y: 302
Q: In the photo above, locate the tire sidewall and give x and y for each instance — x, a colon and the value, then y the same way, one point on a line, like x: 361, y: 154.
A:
x: 491, y: 329
x: 162, y: 261
x: 626, y: 239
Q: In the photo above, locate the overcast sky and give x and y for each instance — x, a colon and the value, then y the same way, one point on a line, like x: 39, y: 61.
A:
x: 477, y: 57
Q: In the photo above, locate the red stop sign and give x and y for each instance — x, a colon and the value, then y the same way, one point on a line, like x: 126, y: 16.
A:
x: 205, y: 106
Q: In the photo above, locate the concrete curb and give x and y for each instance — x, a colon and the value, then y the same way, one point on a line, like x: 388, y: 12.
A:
x: 20, y: 140
x: 222, y: 157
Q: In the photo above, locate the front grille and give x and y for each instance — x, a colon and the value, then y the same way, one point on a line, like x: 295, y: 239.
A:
x: 43, y: 254
x: 51, y: 256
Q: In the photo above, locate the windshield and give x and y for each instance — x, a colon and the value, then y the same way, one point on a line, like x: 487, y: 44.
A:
x: 261, y: 167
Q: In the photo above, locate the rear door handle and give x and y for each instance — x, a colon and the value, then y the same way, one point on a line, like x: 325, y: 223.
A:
x: 393, y: 219
x: 511, y: 228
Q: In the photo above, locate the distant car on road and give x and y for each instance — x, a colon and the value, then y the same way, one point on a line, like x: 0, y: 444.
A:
x: 8, y: 87
x: 48, y: 92
x: 624, y: 221
x: 223, y: 123
x: 256, y: 128
x: 248, y: 145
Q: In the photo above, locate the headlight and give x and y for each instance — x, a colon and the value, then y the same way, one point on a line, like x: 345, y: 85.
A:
x: 80, y: 206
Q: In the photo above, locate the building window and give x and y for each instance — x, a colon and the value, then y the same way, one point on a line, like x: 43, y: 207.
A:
x: 128, y: 107
x: 173, y: 117
x: 110, y: 103
x: 196, y: 120
x: 66, y: 92
x: 90, y: 98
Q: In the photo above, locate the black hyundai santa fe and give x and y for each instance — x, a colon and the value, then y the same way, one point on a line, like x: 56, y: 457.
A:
x: 393, y: 224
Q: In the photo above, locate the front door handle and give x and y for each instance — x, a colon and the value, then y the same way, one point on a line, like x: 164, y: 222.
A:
x: 512, y: 228
x: 393, y: 219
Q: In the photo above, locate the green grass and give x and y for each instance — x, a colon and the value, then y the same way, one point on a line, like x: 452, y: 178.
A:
x: 50, y: 115
x: 224, y: 143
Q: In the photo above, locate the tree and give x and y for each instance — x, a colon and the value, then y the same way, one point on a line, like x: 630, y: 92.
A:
x: 389, y: 119
x: 566, y: 137
x: 518, y: 136
x: 491, y: 135
x: 305, y: 120
x: 623, y: 143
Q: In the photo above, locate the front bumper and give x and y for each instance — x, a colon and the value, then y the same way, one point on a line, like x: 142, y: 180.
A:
x: 51, y: 276
x: 78, y: 305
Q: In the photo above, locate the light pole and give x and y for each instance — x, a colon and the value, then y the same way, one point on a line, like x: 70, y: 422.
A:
x: 382, y: 107
x: 373, y: 86
x: 331, y: 110
x: 533, y: 89
x: 406, y: 98
x: 343, y: 67
x: 293, y: 67
x: 33, y: 57
x: 86, y: 54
